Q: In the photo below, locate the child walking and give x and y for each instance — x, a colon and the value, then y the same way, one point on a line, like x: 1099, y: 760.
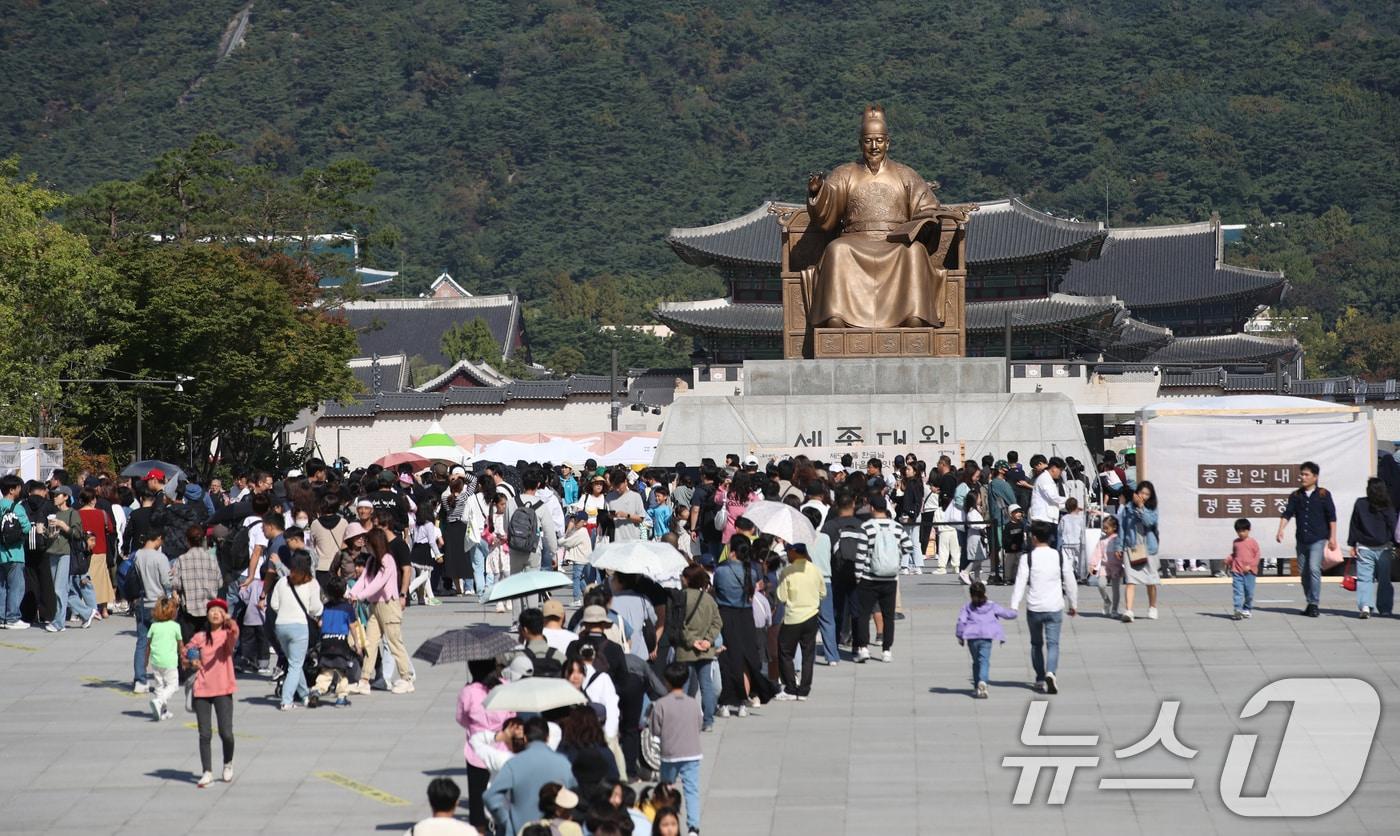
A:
x: 426, y: 555
x: 1071, y: 538
x: 1243, y: 565
x: 1106, y: 566
x: 341, y: 646
x: 163, y: 656
x: 676, y: 720
x: 210, y: 653
x: 978, y: 625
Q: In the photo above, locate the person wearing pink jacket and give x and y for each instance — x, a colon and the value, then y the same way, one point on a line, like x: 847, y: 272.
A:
x: 473, y: 716
x: 379, y: 588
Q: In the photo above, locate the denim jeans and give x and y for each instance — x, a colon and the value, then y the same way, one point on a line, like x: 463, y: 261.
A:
x: 689, y: 774
x: 479, y: 578
x: 1243, y: 585
x: 583, y: 575
x: 981, y: 652
x: 11, y: 590
x: 1045, y: 641
x: 58, y: 570
x: 143, y: 626
x: 82, y: 598
x: 912, y: 559
x: 703, y: 672
x: 1373, y: 588
x: 1310, y: 569
x: 292, y: 637
x: 826, y: 623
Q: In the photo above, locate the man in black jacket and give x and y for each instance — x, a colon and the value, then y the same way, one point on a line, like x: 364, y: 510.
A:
x: 844, y: 531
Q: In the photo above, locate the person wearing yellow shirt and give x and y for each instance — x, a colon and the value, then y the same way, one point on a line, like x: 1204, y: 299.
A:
x: 801, y: 588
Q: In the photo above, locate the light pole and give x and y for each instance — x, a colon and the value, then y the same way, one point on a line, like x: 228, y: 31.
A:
x: 178, y: 382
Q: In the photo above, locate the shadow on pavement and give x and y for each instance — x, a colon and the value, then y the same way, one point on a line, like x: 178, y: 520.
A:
x: 179, y: 776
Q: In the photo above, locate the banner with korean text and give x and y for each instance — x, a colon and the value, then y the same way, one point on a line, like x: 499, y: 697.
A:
x: 1220, y: 462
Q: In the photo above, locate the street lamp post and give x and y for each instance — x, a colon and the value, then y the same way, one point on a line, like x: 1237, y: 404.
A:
x: 178, y: 382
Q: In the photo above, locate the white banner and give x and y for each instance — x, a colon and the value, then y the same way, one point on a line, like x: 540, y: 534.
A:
x: 1210, y: 470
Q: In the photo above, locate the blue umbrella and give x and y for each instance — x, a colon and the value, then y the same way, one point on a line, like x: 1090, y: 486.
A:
x: 527, y: 583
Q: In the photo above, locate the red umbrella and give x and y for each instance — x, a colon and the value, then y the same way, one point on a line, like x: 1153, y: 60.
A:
x: 405, y: 457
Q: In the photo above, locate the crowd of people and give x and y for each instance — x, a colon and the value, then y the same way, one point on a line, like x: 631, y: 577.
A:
x: 304, y: 581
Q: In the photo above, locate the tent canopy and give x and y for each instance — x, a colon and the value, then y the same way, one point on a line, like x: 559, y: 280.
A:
x: 1244, y: 406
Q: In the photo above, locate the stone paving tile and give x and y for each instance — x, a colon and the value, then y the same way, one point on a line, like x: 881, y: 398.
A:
x: 898, y: 748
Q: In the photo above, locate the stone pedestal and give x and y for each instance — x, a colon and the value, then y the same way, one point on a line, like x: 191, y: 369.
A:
x: 872, y: 408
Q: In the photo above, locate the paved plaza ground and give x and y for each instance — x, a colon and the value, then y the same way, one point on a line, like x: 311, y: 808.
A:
x: 879, y: 749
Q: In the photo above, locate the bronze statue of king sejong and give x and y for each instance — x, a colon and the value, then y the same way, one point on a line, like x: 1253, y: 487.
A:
x: 878, y: 272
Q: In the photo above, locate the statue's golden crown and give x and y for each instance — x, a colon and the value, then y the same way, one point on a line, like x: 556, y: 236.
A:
x: 873, y: 119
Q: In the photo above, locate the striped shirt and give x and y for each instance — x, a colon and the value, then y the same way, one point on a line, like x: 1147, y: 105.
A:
x: 870, y: 528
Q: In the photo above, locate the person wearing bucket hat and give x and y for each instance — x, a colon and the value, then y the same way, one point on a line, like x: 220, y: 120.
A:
x: 210, y: 653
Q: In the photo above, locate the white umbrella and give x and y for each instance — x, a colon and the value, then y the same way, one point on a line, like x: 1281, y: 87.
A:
x: 656, y: 560
x: 534, y: 695
x: 782, y: 521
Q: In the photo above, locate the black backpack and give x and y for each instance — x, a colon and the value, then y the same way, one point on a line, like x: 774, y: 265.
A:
x: 550, y: 665
x: 80, y: 558
x: 232, y: 552
x: 11, y: 529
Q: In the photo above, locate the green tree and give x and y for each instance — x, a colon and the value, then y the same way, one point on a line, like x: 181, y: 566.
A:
x: 226, y: 318
x: 470, y: 340
x: 55, y: 298
x: 565, y: 361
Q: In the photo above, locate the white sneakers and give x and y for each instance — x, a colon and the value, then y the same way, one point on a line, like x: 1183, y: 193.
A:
x: 1151, y: 613
x: 783, y: 696
x: 981, y: 690
x: 17, y: 625
x: 863, y: 655
x: 1127, y: 616
x: 722, y: 711
x: 228, y: 773
x: 139, y: 687
x: 743, y: 710
x: 887, y: 656
x: 205, y: 780
x: 965, y: 578
x: 403, y: 686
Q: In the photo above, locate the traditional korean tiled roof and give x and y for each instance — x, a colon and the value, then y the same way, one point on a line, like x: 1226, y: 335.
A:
x: 392, y: 374
x: 482, y: 372
x: 561, y: 389
x: 414, y: 327
x: 1225, y: 348
x: 754, y: 239
x: 1000, y: 230
x: 721, y: 316
x: 1009, y: 230
x: 1029, y: 314
x: 1169, y: 265
x: 1136, y: 334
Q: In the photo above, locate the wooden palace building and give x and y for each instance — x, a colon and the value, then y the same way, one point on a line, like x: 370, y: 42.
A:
x: 1070, y: 290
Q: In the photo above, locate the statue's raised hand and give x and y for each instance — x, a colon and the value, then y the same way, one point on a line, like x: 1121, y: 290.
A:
x: 814, y: 182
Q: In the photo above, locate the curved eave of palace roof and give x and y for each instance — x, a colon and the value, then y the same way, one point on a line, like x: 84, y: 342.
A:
x: 1009, y: 230
x: 721, y: 316
x: 1142, y: 335
x: 753, y: 239
x: 455, y: 396
x: 1150, y: 267
x: 999, y: 231
x: 1225, y: 348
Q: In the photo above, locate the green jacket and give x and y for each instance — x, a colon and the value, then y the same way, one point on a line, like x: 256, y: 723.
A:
x: 14, y: 554
x: 700, y: 620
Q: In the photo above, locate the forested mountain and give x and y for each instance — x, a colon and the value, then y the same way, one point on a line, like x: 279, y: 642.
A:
x: 518, y: 141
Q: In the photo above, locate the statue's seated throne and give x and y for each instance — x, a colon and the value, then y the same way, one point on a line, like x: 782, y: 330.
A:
x: 803, y: 244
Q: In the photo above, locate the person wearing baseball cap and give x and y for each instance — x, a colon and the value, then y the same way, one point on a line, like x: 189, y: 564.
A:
x: 555, y: 633
x: 210, y: 652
